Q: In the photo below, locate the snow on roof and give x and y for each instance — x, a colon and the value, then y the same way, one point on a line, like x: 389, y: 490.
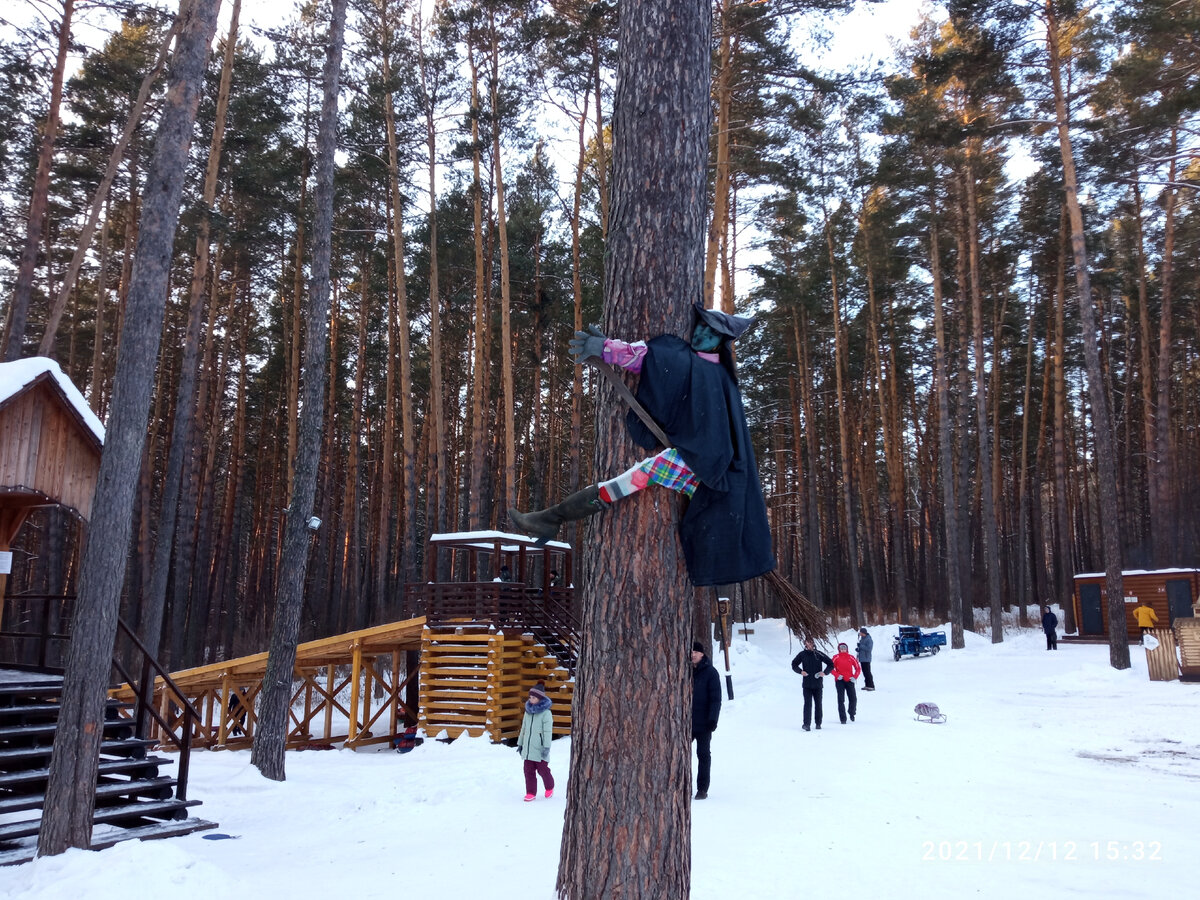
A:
x: 14, y: 376
x: 1139, y: 572
x: 487, y: 539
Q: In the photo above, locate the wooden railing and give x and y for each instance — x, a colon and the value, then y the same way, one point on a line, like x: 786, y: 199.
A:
x: 36, y: 626
x: 547, y: 616
x: 144, y: 708
x: 40, y: 646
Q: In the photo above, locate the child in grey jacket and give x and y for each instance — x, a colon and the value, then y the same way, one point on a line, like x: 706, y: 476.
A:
x: 533, y: 742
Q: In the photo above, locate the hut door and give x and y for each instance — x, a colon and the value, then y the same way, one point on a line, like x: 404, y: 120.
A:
x: 1089, y: 609
x: 1179, y: 599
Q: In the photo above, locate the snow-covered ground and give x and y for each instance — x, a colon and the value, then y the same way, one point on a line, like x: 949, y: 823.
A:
x: 1054, y: 776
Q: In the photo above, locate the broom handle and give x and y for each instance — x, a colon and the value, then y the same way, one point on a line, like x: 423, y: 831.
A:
x: 625, y: 394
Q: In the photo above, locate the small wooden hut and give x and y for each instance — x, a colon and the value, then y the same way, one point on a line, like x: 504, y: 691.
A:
x: 50, y: 444
x: 1171, y: 593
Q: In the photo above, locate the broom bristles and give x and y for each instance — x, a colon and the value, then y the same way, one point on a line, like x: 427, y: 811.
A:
x: 803, y: 618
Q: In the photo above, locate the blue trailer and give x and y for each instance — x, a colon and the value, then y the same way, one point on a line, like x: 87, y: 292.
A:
x: 910, y: 641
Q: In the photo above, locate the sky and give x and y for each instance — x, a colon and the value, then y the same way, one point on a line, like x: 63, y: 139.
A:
x: 1053, y: 776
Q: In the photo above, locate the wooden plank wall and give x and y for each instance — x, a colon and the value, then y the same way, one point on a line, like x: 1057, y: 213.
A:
x: 1150, y: 588
x: 43, y: 450
x: 1187, y: 632
x: 476, y: 682
x: 1162, y: 661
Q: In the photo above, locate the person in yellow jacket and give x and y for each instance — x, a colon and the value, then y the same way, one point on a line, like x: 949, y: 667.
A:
x: 1145, y: 618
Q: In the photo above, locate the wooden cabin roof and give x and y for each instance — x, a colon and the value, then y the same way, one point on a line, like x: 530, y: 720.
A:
x: 50, y: 441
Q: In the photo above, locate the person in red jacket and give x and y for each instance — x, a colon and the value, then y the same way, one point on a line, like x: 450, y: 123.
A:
x: 845, y: 670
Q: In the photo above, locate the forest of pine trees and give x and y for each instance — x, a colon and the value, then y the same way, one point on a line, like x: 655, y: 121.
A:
x: 921, y: 384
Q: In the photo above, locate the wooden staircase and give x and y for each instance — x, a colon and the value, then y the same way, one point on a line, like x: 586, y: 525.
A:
x: 133, y: 801
x: 474, y: 680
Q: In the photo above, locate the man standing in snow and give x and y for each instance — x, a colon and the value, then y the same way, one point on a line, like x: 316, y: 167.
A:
x: 706, y: 709
x: 813, y: 665
x: 1050, y: 626
x: 863, y: 650
x: 845, y: 670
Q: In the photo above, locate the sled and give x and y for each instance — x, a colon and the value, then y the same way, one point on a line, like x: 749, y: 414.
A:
x: 929, y: 712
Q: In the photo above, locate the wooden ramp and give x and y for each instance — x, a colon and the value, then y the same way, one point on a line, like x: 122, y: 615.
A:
x: 361, y: 688
x: 475, y: 681
x: 367, y: 661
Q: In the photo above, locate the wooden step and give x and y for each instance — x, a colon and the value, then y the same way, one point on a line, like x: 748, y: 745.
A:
x: 151, y: 809
x: 35, y: 709
x: 150, y: 788
x: 107, y: 767
x: 108, y: 837
x: 44, y: 729
x: 128, y: 747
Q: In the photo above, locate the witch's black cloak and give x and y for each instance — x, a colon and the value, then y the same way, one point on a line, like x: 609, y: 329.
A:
x: 724, y: 532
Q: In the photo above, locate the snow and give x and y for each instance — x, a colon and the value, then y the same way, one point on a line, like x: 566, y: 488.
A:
x: 1125, y: 572
x: 1047, y: 757
x: 486, y: 540
x: 15, y: 375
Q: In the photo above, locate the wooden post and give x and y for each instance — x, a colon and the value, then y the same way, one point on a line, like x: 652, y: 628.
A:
x: 394, y: 693
x: 328, y: 701
x: 223, y: 730
x: 355, y: 675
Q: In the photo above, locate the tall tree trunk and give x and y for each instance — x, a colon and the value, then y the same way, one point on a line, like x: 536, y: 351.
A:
x: 400, y: 327
x: 619, y: 804
x: 154, y: 600
x: 18, y: 312
x: 506, y: 357
x: 847, y: 469
x: 1106, y: 475
x: 1165, y: 541
x: 718, y: 230
x: 479, y: 434
x: 945, y: 444
x: 70, y: 792
x: 987, y: 513
x: 274, y: 707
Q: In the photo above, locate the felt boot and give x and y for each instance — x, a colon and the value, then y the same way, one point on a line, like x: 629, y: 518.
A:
x: 544, y: 524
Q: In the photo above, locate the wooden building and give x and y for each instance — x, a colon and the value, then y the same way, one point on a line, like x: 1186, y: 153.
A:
x: 50, y: 445
x: 1171, y: 593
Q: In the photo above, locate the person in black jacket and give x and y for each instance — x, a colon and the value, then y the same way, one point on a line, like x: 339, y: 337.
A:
x: 814, y: 666
x: 1050, y: 626
x: 706, y: 709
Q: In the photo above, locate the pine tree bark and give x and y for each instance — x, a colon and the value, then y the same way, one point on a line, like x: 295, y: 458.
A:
x: 18, y: 313
x: 1106, y: 475
x: 271, y: 737
x: 506, y: 357
x: 847, y: 469
x: 1164, y: 537
x: 950, y: 510
x: 154, y: 601
x: 628, y: 823
x: 70, y: 793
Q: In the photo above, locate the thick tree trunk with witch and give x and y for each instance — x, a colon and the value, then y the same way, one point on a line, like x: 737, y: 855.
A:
x: 628, y: 824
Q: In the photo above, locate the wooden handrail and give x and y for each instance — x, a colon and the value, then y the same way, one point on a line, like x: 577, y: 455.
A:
x: 144, y: 691
x: 503, y: 605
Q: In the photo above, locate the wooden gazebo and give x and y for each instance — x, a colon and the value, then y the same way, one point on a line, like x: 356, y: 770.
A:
x: 492, y: 634
x: 50, y: 444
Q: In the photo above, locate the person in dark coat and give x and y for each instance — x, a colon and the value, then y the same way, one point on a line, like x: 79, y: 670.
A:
x: 863, y: 651
x: 706, y: 709
x: 690, y: 389
x: 1050, y: 626
x: 814, y: 666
